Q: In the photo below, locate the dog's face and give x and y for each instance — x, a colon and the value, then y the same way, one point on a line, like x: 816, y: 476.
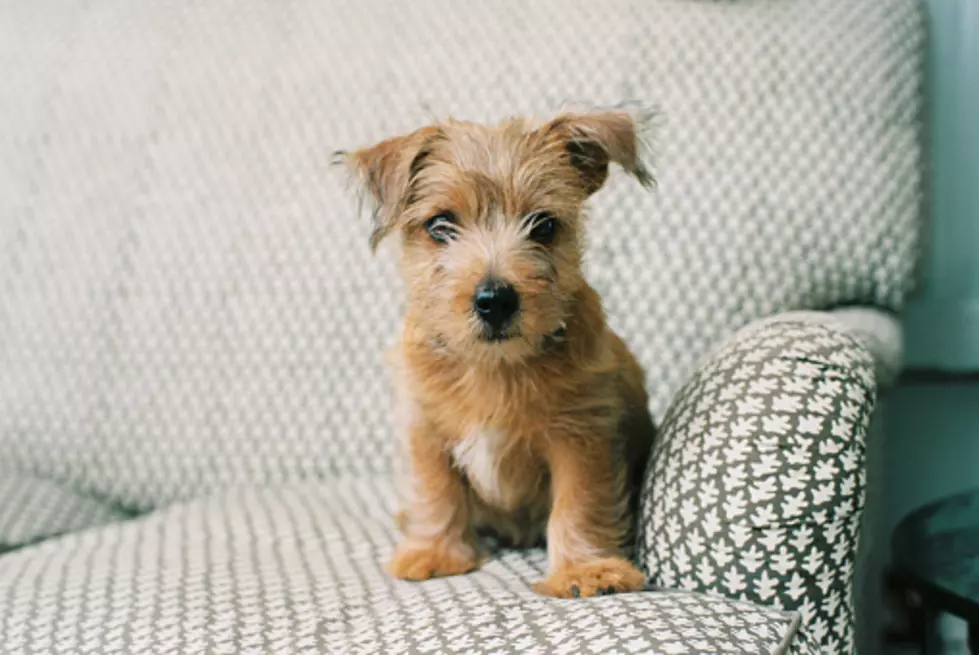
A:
x: 491, y: 223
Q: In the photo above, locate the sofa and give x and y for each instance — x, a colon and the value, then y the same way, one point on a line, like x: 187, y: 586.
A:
x: 195, y: 442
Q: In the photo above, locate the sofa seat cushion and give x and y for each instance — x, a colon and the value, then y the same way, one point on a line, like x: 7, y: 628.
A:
x: 299, y: 569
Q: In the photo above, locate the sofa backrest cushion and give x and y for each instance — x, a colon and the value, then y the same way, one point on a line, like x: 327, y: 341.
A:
x: 187, y: 299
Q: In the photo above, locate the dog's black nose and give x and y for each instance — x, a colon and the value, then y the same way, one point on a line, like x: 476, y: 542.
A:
x: 496, y: 302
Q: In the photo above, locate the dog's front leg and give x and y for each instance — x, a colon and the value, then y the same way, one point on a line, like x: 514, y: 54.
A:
x: 587, y: 523
x: 439, y: 539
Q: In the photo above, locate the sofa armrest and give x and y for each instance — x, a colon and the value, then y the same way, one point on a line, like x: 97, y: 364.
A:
x: 877, y: 330
x: 755, y: 487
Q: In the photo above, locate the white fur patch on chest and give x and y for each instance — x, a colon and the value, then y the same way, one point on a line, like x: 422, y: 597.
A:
x: 479, y: 455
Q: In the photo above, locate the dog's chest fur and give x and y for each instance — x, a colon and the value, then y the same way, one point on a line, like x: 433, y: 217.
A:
x: 503, y: 475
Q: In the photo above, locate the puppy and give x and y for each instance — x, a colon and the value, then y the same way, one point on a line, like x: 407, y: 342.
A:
x: 522, y: 413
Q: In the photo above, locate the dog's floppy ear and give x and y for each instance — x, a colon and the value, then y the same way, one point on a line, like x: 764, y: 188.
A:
x: 384, y: 173
x: 593, y: 140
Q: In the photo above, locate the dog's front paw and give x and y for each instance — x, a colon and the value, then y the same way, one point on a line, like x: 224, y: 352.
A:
x: 414, y: 560
x: 598, y: 578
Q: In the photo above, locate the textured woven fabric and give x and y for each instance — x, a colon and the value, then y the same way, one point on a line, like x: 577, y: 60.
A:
x: 756, y: 484
x: 187, y: 301
x: 881, y: 334
x: 298, y: 569
x: 877, y: 331
x: 33, y: 509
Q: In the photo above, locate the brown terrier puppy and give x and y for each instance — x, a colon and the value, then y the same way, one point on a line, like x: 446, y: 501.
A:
x: 521, y: 410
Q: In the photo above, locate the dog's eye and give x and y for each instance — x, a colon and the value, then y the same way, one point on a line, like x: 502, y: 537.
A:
x: 441, y: 227
x: 543, y: 229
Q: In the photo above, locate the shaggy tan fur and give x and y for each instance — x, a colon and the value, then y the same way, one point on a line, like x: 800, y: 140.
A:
x: 543, y: 434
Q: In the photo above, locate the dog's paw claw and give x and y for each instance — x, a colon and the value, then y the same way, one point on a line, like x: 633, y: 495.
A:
x: 599, y: 578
